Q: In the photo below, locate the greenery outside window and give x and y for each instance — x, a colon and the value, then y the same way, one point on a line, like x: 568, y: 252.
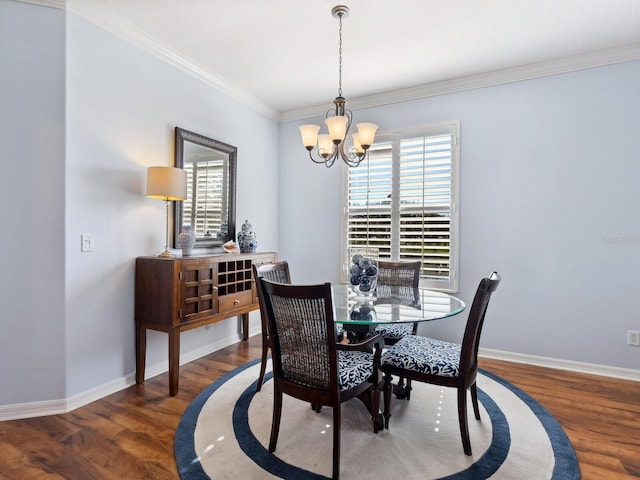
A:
x: 403, y: 202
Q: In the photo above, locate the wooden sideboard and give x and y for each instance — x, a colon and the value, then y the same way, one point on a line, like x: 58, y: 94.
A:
x: 177, y: 294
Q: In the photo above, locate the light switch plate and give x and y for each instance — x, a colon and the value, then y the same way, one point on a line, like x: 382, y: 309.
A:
x: 87, y: 242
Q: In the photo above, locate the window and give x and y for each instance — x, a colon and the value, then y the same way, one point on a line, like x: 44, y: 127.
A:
x: 403, y: 202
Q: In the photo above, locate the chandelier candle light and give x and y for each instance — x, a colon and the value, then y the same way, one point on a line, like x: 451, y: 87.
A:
x: 332, y: 145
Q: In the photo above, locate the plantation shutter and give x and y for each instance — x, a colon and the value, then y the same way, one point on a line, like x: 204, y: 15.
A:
x: 369, y: 202
x: 402, y: 202
x: 426, y: 203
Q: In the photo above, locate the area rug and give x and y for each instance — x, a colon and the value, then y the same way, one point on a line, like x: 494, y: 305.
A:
x: 224, y: 434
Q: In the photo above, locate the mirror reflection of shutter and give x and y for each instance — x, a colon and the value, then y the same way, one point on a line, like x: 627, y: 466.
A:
x: 425, y: 203
x: 209, y: 181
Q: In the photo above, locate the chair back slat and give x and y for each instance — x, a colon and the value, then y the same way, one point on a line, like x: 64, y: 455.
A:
x: 475, y: 322
x: 403, y: 274
x: 275, y: 272
x: 302, y: 331
x: 408, y: 294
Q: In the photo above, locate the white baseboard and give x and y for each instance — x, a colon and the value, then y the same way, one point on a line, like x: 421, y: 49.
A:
x: 32, y: 409
x: 55, y: 407
x: 560, y: 364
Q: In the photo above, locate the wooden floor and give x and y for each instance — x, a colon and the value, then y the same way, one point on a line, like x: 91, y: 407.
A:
x: 129, y: 435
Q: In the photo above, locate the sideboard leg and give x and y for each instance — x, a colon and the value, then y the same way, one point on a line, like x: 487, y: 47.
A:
x: 174, y: 360
x: 141, y: 351
x: 245, y: 327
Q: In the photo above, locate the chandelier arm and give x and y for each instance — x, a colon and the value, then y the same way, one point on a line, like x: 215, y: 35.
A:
x: 327, y: 161
x: 352, y: 159
x: 349, y: 115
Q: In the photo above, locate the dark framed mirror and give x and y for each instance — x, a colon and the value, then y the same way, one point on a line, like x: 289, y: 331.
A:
x: 210, y: 206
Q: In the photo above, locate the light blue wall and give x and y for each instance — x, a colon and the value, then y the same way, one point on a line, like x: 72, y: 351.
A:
x: 80, y: 125
x: 32, y: 63
x: 122, y: 107
x: 549, y: 198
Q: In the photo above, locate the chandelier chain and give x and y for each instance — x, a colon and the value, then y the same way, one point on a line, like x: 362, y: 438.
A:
x: 340, y: 59
x: 334, y: 145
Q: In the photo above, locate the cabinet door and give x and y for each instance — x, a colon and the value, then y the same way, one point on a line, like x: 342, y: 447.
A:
x: 199, y: 292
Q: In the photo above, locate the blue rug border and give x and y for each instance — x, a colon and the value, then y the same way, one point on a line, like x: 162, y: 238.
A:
x: 189, y: 467
x: 566, y: 462
x: 187, y: 460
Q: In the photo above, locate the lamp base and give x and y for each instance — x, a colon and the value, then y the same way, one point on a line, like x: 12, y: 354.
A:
x: 166, y: 254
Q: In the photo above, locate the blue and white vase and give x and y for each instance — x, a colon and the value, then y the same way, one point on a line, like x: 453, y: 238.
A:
x: 186, y: 240
x: 247, y: 238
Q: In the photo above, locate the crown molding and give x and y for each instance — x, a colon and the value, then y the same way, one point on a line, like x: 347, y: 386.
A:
x: 47, y: 3
x: 115, y: 25
x: 498, y: 77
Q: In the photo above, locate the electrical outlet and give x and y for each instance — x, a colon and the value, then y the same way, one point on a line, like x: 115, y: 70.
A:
x: 633, y: 338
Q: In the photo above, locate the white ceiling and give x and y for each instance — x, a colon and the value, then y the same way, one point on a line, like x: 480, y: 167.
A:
x: 284, y: 53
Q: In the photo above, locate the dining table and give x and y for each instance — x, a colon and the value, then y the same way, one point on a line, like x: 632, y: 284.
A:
x: 359, y: 314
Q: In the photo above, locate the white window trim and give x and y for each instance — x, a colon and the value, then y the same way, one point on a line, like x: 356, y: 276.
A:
x: 452, y: 127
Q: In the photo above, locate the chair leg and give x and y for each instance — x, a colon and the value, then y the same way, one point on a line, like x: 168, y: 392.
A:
x: 336, y: 442
x: 474, y: 401
x: 263, y: 365
x: 275, y: 423
x: 374, y: 394
x: 388, y: 391
x: 462, y: 419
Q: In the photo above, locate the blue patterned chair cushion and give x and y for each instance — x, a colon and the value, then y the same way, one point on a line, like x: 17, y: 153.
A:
x: 424, y: 355
x: 354, y: 367
x: 395, y: 331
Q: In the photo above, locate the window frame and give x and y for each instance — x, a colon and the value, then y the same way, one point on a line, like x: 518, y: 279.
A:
x: 394, y: 137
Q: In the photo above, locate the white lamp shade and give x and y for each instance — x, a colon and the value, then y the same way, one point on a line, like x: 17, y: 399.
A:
x: 356, y: 144
x: 337, y: 127
x: 309, y: 135
x: 166, y: 183
x: 325, y: 145
x: 366, y: 133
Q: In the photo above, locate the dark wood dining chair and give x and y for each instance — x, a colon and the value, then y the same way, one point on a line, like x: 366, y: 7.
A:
x: 443, y: 363
x: 401, y: 275
x: 276, y: 272
x: 309, y: 365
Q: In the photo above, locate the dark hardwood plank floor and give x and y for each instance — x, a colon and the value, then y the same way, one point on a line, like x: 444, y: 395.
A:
x: 129, y: 435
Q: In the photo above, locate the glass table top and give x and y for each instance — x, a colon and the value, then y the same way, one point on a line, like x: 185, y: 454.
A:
x: 391, y: 304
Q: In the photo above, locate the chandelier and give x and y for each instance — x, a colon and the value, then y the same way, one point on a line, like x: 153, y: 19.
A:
x: 333, y: 144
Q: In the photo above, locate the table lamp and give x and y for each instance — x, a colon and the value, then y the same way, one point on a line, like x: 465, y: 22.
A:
x: 166, y: 183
